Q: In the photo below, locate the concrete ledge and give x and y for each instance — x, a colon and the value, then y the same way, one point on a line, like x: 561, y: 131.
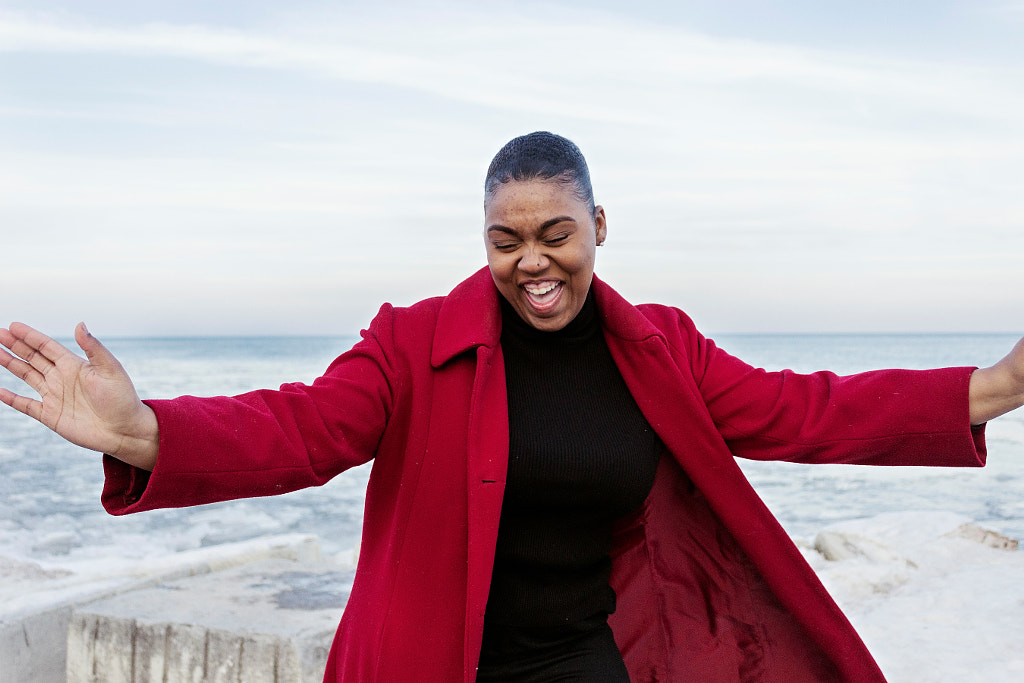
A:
x: 37, y: 607
x: 103, y: 649
x: 271, y: 620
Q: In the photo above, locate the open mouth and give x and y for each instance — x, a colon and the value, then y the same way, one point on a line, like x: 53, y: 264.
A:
x: 543, y: 296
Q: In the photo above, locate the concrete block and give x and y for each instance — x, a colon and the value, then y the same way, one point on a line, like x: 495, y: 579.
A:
x: 114, y: 639
x: 32, y: 647
x: 258, y: 659
x: 149, y: 659
x: 290, y: 668
x: 271, y: 620
x: 36, y: 604
x: 274, y: 659
x: 98, y: 647
x: 81, y: 647
x: 223, y: 656
x: 185, y: 653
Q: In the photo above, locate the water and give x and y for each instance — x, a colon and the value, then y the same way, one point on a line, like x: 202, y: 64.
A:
x: 49, y: 490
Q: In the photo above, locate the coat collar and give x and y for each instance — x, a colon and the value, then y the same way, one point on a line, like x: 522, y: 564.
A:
x: 470, y: 317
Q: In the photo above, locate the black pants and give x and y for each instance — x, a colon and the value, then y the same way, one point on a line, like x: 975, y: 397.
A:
x: 584, y: 652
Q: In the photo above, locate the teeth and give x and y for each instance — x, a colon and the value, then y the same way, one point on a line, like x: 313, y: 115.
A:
x: 538, y: 290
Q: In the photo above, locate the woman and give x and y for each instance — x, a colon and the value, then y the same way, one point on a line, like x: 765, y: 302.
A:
x: 554, y: 494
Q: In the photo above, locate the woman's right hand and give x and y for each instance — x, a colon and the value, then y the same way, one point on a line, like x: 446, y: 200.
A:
x: 91, y: 403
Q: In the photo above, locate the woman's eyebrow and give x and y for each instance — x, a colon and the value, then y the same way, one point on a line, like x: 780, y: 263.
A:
x: 497, y: 227
x: 555, y: 221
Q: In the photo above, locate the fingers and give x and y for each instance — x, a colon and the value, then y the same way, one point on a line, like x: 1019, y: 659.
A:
x: 7, y: 396
x: 31, y: 343
x: 24, y: 342
x: 22, y: 370
x: 33, y: 409
x: 96, y: 352
x: 6, y: 338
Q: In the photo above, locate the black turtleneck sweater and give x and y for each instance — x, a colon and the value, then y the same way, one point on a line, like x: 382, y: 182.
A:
x: 581, y: 455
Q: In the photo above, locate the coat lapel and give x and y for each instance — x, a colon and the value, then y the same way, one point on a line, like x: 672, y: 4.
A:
x: 668, y: 396
x: 470, y: 317
x: 469, y: 321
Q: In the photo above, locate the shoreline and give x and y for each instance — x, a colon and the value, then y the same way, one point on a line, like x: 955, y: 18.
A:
x: 934, y: 596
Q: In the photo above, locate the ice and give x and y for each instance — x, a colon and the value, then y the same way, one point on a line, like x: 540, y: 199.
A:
x: 935, y: 596
x: 28, y: 587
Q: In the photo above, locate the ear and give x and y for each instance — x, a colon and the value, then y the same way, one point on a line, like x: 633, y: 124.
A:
x: 600, y: 224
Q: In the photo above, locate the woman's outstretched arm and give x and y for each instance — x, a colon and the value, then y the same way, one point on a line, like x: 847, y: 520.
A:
x: 999, y: 388
x: 91, y: 402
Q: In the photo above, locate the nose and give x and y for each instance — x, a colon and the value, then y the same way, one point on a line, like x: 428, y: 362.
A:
x: 533, y: 261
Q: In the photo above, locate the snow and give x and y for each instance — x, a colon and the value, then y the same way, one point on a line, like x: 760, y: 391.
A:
x: 934, y: 596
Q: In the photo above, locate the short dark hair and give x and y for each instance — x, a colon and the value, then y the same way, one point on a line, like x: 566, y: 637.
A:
x: 541, y: 156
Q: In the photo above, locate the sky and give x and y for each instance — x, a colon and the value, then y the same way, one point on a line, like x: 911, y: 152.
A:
x: 194, y: 167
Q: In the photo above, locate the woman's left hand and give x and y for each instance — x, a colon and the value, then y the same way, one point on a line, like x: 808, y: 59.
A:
x: 999, y: 388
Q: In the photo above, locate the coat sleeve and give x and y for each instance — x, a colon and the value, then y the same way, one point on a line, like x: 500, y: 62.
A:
x: 883, y: 417
x: 265, y: 442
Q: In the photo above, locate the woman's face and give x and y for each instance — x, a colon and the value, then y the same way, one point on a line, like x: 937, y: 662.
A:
x: 541, y: 240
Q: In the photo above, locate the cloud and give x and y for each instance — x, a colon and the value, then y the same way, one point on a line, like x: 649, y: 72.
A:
x: 346, y: 152
x: 1011, y: 8
x: 511, y: 62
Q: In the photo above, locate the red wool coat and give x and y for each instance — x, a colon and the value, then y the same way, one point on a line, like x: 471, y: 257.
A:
x: 709, y: 586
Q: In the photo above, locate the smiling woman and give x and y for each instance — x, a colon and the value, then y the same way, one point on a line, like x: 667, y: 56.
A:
x: 541, y: 243
x: 554, y: 493
x: 542, y: 228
